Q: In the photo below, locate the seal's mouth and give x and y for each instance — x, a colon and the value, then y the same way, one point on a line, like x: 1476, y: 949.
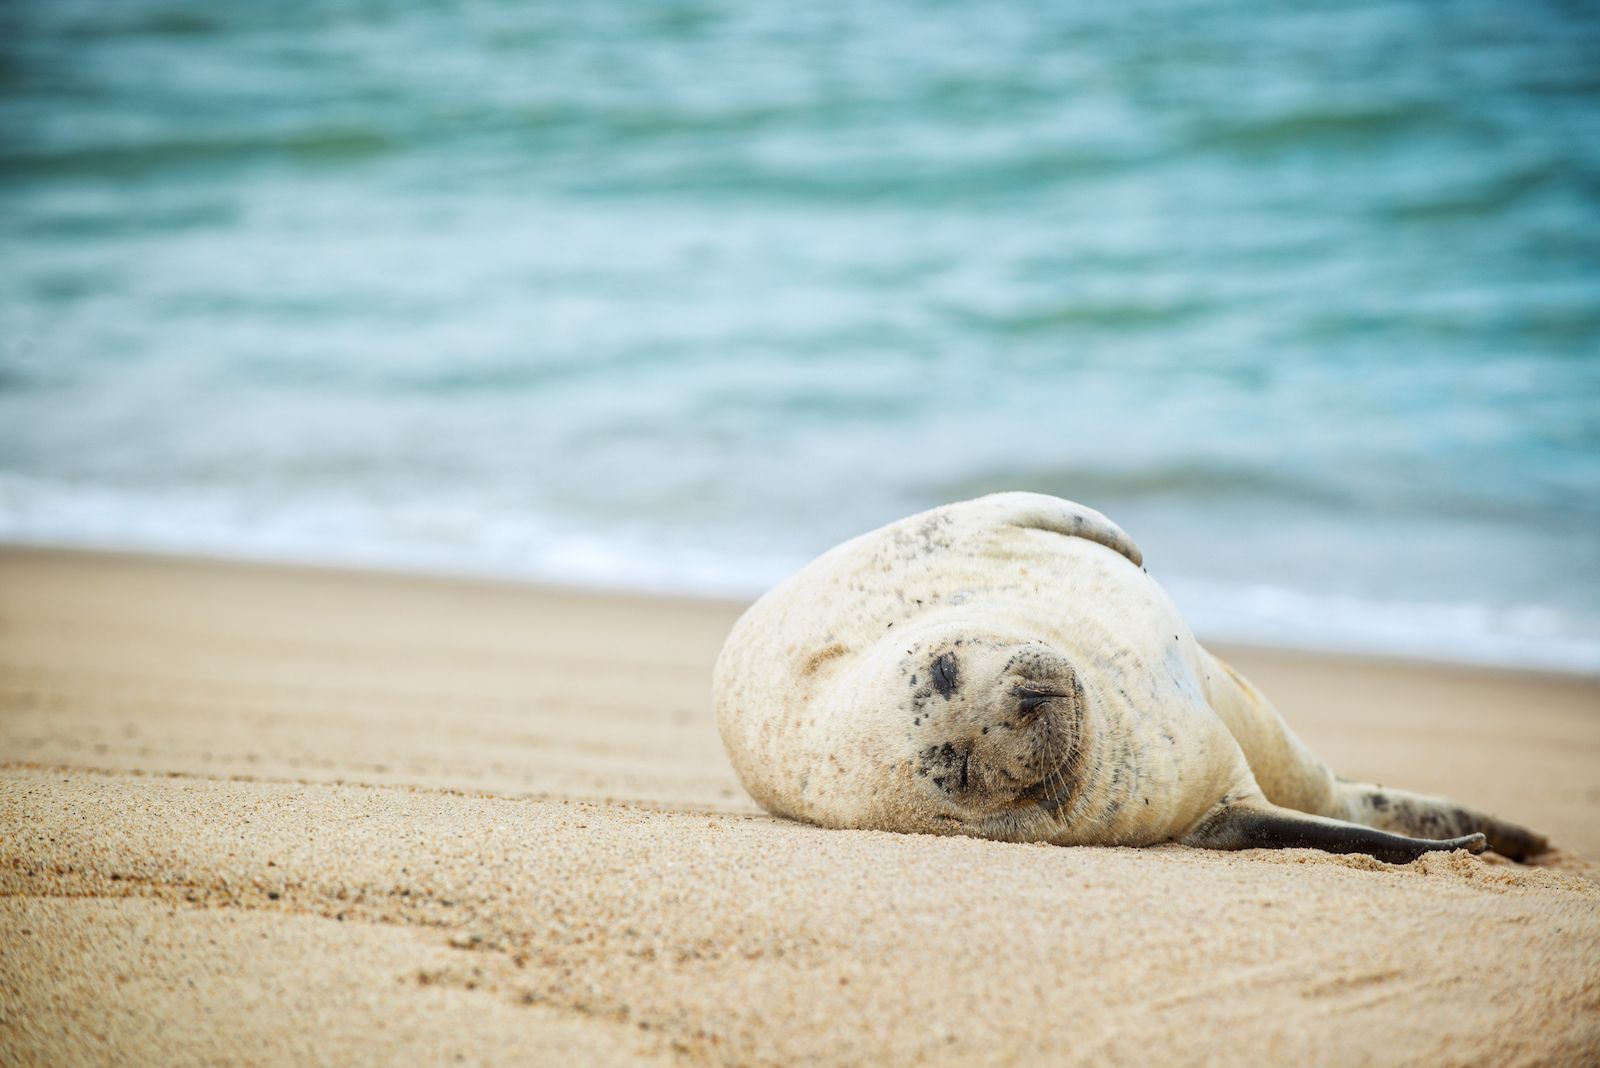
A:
x: 1050, y: 792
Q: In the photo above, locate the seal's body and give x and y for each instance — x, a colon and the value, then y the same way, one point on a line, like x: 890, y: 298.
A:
x: 1005, y: 668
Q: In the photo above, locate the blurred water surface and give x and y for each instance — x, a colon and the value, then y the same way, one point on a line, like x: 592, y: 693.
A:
x: 1307, y: 296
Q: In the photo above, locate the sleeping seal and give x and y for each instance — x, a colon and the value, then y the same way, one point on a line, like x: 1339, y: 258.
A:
x: 1005, y: 668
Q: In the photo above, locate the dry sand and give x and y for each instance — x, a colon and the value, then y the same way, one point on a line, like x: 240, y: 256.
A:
x: 277, y: 815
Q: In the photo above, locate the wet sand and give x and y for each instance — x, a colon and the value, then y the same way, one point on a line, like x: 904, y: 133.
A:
x: 270, y: 815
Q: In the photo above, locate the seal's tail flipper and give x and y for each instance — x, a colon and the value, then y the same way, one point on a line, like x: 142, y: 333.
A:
x: 1407, y: 813
x: 1261, y: 825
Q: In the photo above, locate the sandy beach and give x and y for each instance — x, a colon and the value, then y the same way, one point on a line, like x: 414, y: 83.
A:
x: 263, y: 814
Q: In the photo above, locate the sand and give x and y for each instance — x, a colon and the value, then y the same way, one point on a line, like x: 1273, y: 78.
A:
x: 276, y: 815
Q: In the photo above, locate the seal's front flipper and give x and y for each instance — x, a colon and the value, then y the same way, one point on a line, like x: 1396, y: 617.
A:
x: 1035, y: 511
x: 1260, y: 825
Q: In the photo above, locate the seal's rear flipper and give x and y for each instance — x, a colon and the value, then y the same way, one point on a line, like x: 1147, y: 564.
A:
x: 1407, y: 813
x: 1259, y: 825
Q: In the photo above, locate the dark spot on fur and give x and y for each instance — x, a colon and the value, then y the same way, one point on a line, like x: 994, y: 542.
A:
x: 822, y: 656
x: 942, y: 763
x: 946, y: 675
x: 1380, y: 802
x: 1431, y: 823
x: 913, y: 680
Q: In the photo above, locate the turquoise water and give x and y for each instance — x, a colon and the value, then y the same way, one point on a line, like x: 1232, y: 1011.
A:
x: 673, y: 296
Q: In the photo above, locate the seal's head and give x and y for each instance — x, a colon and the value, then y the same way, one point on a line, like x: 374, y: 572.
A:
x: 945, y: 729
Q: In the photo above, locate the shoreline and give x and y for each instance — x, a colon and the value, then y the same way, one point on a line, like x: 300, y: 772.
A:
x: 324, y: 814
x: 1289, y: 650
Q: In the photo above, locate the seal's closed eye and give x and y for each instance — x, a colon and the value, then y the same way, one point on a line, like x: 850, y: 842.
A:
x: 946, y: 674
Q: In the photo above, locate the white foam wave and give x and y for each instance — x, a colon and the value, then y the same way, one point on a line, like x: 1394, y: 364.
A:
x: 1532, y: 636
x: 507, y: 542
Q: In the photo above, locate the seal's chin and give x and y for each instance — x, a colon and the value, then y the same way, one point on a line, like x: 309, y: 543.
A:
x: 1032, y: 816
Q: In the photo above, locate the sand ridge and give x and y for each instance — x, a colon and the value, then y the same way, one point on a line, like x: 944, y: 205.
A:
x: 760, y: 940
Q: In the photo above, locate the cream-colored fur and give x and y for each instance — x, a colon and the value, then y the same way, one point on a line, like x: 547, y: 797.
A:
x: 1005, y: 668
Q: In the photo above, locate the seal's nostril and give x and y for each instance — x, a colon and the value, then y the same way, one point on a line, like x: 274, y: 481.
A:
x: 1031, y: 698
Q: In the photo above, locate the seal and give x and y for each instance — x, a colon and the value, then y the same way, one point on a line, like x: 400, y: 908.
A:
x: 1006, y: 668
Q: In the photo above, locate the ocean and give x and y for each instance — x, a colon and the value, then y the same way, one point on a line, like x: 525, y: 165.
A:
x: 673, y: 296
